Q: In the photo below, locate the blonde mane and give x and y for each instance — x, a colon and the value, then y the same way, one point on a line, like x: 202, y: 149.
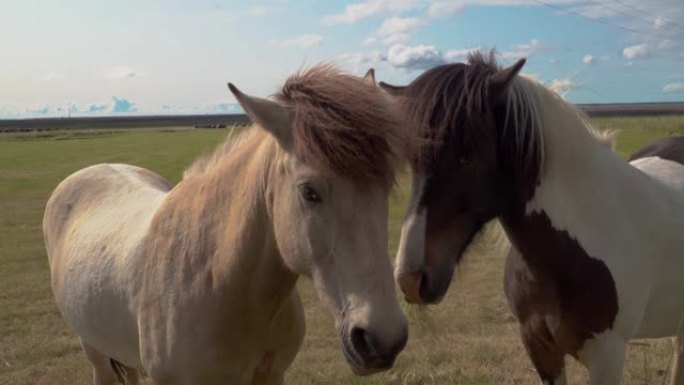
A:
x: 341, y: 124
x: 528, y: 102
x: 248, y: 137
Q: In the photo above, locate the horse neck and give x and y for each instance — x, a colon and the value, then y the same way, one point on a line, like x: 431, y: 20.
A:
x: 584, y: 191
x: 221, y: 232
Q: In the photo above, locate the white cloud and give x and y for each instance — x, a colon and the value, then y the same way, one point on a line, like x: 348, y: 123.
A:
x: 443, y: 8
x: 303, y: 41
x: 363, y: 58
x: 122, y: 72
x: 398, y: 25
x: 419, y: 57
x: 675, y: 87
x: 422, y: 57
x: 588, y: 59
x: 42, y: 110
x: 264, y: 10
x: 396, y: 38
x: 358, y: 11
x: 525, y: 50
x: 95, y: 108
x: 370, y: 41
x: 47, y: 110
x: 594, y: 11
x: 562, y: 86
x: 659, y: 23
x: 121, y: 105
x: 554, y: 61
x: 459, y: 55
x: 636, y: 51
x: 223, y: 108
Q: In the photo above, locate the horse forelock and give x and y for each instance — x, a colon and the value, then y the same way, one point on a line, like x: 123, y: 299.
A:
x: 344, y: 125
x: 443, y: 105
x: 450, y: 106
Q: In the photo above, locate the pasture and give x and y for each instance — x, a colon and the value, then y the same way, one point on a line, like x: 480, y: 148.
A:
x: 471, y: 338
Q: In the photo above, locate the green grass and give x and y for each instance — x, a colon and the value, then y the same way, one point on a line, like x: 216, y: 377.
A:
x: 470, y: 339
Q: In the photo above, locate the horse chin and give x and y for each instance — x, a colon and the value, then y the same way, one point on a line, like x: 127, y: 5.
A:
x: 363, y: 372
x: 435, y: 286
x: 359, y: 369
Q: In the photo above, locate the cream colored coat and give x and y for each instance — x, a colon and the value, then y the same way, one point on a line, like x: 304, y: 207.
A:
x: 196, y: 284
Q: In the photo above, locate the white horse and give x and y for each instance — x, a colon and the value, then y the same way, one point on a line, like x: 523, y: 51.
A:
x: 598, y: 251
x: 195, y: 284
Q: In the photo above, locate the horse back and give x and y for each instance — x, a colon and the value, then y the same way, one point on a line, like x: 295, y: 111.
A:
x: 88, y: 191
x: 94, y: 223
x: 663, y: 160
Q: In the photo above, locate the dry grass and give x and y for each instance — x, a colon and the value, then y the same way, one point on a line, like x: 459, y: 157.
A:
x: 471, y: 338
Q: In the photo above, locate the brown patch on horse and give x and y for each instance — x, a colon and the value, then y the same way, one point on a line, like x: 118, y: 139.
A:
x: 671, y: 149
x: 344, y: 125
x: 555, y: 289
x: 547, y: 357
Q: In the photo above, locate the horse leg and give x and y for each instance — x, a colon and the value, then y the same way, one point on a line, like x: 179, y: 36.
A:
x: 678, y: 366
x: 546, y: 356
x: 604, y: 356
x: 103, y: 374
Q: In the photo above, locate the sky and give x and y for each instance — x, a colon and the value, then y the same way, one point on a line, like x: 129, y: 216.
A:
x: 93, y: 57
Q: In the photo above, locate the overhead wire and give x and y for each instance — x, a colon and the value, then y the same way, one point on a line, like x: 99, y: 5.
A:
x: 649, y: 22
x: 605, y: 22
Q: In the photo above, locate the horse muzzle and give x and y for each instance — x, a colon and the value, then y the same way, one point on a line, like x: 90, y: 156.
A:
x: 366, y: 354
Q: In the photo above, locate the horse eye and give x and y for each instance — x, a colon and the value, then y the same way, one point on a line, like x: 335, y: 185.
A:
x: 309, y: 193
x: 464, y: 160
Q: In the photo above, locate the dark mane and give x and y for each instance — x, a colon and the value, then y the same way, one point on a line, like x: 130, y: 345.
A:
x: 344, y: 125
x: 445, y: 97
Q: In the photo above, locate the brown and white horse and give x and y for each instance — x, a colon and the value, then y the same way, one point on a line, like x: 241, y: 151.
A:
x: 195, y: 284
x: 598, y: 252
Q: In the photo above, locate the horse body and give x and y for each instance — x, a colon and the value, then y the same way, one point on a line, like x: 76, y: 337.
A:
x: 625, y: 220
x: 117, y: 278
x: 196, y: 284
x: 596, y: 255
x: 629, y: 219
x: 90, y: 212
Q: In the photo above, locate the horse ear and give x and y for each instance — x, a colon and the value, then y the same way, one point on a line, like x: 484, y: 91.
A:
x: 392, y: 90
x: 500, y: 81
x: 369, y: 77
x: 270, y: 115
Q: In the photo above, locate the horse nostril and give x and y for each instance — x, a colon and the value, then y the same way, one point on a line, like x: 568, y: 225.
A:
x: 362, y: 343
x: 368, y: 354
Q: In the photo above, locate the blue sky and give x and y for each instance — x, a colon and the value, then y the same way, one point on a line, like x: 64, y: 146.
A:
x: 85, y: 57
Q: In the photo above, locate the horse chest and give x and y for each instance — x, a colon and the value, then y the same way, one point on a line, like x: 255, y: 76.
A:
x: 551, y: 280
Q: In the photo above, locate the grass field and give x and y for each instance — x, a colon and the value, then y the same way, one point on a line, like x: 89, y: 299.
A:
x: 471, y: 338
